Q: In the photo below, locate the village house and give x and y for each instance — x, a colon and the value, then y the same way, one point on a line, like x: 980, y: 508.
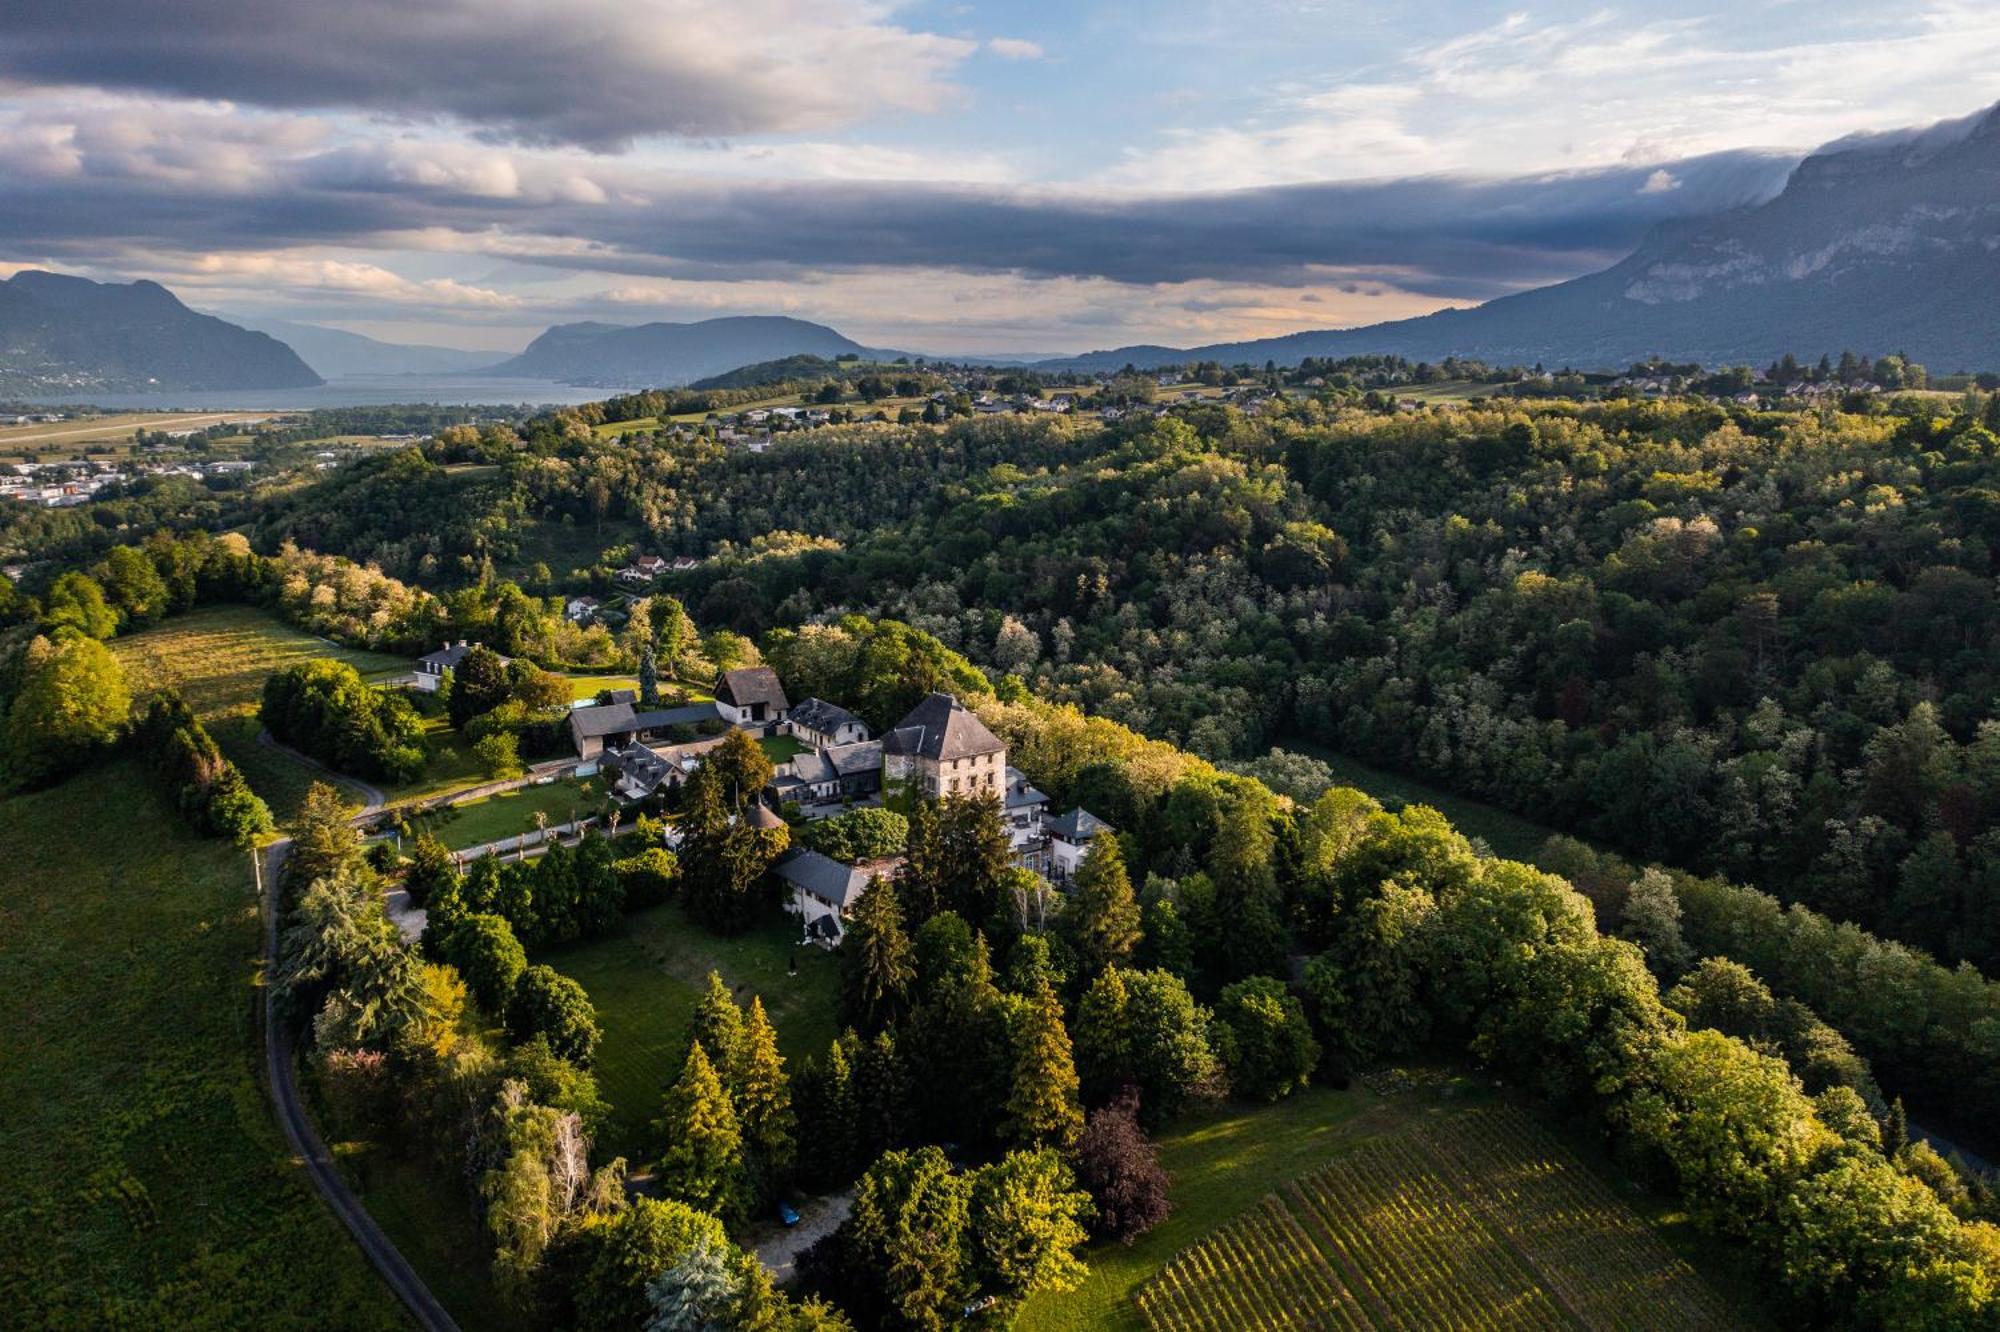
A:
x: 830, y: 773
x: 581, y: 610
x: 1069, y: 839
x: 821, y: 724
x: 636, y: 771
x: 751, y: 694
x: 942, y: 749
x: 617, y: 724
x: 433, y: 666
x: 1024, y: 808
x: 642, y: 571
x: 823, y: 890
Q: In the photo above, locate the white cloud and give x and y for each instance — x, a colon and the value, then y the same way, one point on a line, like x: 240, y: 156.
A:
x: 1660, y: 182
x: 1526, y: 94
x: 1015, y: 48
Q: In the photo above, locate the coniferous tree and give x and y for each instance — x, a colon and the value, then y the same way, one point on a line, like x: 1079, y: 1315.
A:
x: 1103, y: 913
x: 717, y: 1025
x: 702, y: 1164
x: 764, y: 1100
x: 649, y: 678
x: 876, y: 956
x: 1042, y: 1109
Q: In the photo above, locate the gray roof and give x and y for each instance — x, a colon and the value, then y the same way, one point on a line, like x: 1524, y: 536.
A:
x: 941, y: 727
x: 751, y: 684
x: 824, y: 877
x: 861, y: 756
x: 816, y: 714
x: 619, y: 718
x: 1021, y: 792
x: 447, y: 657
x: 813, y: 767
x: 1079, y: 825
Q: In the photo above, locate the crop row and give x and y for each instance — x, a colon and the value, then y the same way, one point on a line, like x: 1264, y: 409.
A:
x: 1258, y: 1273
x: 1585, y: 1244
x: 1428, y: 1259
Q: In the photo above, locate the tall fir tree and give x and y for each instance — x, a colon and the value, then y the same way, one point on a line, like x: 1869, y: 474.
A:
x: 877, y: 956
x: 1103, y: 912
x: 702, y: 1164
x: 764, y: 1101
x: 717, y: 1025
x: 649, y: 678
x: 1042, y: 1108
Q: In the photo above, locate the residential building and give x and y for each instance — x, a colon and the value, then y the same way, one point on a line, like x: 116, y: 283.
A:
x: 942, y: 749
x: 829, y: 773
x: 1024, y: 809
x: 581, y: 610
x: 1070, y: 836
x: 751, y: 695
x: 823, y: 890
x: 433, y: 666
x: 615, y: 725
x: 819, y: 723
x: 642, y: 571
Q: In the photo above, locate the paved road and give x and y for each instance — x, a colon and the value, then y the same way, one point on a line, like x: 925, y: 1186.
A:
x: 305, y: 1140
x: 372, y: 797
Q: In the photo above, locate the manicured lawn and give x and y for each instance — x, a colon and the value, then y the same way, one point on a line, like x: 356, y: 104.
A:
x: 143, y: 1182
x: 644, y: 982
x: 780, y: 748
x: 219, y: 658
x: 1221, y: 1164
x: 587, y: 686
x: 511, y: 813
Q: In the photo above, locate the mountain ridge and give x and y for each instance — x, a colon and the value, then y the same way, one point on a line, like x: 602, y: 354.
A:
x: 1880, y: 243
x: 662, y: 354
x: 65, y: 334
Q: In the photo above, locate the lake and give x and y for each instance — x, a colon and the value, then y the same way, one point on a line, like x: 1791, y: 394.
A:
x: 349, y: 391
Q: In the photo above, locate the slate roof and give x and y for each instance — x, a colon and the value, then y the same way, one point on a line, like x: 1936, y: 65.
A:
x: 1021, y: 793
x: 826, y: 878
x: 1077, y: 826
x: 447, y: 657
x: 617, y: 718
x: 941, y: 727
x: 752, y: 684
x: 816, y: 714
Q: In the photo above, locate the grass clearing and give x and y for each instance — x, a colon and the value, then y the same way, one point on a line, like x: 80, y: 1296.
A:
x: 588, y: 686
x: 644, y: 981
x: 781, y: 748
x: 511, y: 813
x: 143, y: 1181
x: 219, y: 657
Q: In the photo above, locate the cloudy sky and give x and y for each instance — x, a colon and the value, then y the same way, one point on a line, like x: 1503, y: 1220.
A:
x: 1037, y: 175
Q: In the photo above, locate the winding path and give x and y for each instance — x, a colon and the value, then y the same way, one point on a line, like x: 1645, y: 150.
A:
x: 304, y: 1138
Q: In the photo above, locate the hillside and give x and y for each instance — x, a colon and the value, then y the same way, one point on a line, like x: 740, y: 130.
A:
x: 662, y: 354
x: 1884, y: 243
x: 61, y: 334
x: 334, y: 352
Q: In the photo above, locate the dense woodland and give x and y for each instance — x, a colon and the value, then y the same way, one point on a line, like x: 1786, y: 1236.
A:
x: 1750, y: 647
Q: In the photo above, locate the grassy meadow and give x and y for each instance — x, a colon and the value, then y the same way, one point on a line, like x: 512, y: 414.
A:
x: 219, y: 658
x: 644, y: 981
x: 143, y: 1181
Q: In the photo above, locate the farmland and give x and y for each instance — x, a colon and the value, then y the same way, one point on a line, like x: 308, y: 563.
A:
x: 219, y: 657
x: 146, y: 1183
x: 1470, y: 1217
x: 70, y: 439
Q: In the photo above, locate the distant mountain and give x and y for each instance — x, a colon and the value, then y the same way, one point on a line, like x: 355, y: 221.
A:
x: 662, y: 355
x: 335, y: 352
x: 67, y: 335
x: 1879, y: 243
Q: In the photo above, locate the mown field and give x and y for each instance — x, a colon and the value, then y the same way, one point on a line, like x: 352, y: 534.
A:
x: 1353, y: 1210
x: 143, y: 1182
x: 644, y: 981
x: 511, y: 813
x: 52, y: 440
x: 219, y: 658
